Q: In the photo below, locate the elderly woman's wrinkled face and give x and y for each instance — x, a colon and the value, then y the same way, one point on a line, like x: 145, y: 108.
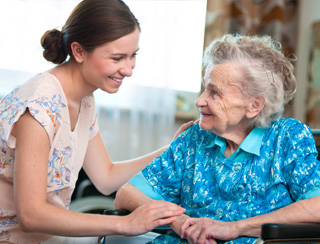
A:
x: 223, y: 107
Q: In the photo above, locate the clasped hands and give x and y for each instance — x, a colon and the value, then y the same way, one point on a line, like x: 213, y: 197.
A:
x: 204, y: 230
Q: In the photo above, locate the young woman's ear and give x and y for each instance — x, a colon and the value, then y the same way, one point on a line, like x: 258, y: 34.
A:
x: 255, y: 106
x: 77, y: 52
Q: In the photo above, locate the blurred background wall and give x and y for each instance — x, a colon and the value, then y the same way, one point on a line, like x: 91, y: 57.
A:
x: 152, y: 104
x: 294, y: 24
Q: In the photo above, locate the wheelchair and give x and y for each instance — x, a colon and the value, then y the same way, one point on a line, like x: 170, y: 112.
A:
x: 290, y: 233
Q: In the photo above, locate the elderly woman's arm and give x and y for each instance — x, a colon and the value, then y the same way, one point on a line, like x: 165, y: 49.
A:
x: 205, y: 230
x: 129, y: 197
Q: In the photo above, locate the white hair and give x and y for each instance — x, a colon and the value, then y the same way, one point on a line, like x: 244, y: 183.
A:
x: 267, y: 73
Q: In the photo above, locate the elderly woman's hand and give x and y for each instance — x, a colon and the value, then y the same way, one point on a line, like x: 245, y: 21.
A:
x: 178, y: 223
x: 205, y: 230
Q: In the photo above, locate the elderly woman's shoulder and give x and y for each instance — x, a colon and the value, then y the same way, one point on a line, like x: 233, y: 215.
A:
x: 290, y: 127
x: 288, y: 123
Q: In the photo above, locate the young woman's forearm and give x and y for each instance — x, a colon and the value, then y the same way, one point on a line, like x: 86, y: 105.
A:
x: 107, y: 176
x: 57, y: 221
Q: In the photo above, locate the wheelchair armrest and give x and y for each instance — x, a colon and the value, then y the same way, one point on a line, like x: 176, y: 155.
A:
x: 287, y: 231
x: 118, y: 212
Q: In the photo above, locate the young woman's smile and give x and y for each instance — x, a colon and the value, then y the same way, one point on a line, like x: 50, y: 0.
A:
x: 107, y: 66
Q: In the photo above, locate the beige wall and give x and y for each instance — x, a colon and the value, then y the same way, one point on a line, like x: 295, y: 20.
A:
x: 309, y: 12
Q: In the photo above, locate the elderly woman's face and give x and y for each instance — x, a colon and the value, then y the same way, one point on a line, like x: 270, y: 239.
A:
x: 223, y: 107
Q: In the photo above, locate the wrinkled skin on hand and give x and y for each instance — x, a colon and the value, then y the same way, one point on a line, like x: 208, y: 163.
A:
x: 206, y: 230
x: 178, y: 223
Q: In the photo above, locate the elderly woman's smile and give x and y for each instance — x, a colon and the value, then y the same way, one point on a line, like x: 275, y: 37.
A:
x: 223, y: 107
x: 242, y: 165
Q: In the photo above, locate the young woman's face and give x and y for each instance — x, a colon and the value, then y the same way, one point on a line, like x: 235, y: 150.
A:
x: 222, y: 106
x: 107, y: 66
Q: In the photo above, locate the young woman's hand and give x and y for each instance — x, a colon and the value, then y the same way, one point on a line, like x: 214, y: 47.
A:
x: 151, y: 215
x: 183, y: 127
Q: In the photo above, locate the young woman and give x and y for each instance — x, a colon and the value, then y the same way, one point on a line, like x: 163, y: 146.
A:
x: 49, y: 130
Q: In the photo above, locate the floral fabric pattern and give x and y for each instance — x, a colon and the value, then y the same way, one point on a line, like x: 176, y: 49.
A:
x: 43, y: 96
x: 190, y: 173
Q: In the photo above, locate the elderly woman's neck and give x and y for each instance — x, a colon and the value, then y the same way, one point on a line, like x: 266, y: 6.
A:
x: 234, y: 140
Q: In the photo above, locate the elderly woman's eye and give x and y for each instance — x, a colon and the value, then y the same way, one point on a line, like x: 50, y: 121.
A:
x: 214, y: 92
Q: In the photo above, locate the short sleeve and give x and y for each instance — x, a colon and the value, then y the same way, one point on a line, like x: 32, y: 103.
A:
x: 48, y: 110
x: 140, y: 182
x: 165, y: 173
x: 315, y: 192
x: 44, y: 103
x: 301, y: 169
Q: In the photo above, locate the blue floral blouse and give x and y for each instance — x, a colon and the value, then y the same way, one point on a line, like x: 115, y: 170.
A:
x: 194, y: 173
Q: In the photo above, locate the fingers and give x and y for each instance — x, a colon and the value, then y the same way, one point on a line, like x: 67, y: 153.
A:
x: 182, y: 128
x: 185, y: 226
x: 151, y: 215
x: 187, y: 125
x: 165, y: 221
x: 198, y: 231
x: 192, y: 233
x: 164, y: 206
x: 157, y: 213
x: 166, y: 212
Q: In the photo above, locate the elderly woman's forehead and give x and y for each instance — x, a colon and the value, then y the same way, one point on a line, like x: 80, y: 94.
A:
x: 227, y: 71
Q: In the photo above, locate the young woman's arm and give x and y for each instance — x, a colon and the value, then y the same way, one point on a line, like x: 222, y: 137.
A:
x: 107, y: 176
x: 35, y: 214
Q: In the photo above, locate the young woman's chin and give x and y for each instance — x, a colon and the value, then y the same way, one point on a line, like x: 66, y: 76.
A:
x: 110, y: 90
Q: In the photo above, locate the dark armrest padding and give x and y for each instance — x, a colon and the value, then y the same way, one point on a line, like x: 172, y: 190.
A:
x: 288, y: 231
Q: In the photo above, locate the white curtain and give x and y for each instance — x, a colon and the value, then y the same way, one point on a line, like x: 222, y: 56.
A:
x: 138, y: 120
x: 140, y: 117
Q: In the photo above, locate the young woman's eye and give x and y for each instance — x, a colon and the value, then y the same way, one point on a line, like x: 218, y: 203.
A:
x: 134, y: 55
x: 117, y: 59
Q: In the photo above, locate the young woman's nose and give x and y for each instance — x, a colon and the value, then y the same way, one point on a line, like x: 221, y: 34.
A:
x: 127, y: 68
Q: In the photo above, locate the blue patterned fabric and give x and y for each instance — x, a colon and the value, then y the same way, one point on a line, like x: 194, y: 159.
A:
x: 193, y: 174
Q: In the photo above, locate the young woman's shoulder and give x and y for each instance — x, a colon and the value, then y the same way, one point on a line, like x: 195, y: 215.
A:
x: 42, y: 96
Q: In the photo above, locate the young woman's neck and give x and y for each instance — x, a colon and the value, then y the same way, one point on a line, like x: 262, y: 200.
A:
x: 72, y: 81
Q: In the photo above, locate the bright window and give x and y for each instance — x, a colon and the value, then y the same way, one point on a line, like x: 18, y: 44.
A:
x: 171, y: 41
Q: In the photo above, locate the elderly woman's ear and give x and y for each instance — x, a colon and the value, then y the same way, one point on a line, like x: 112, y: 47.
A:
x: 255, y: 106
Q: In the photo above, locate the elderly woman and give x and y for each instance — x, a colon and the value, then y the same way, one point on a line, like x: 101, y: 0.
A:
x: 242, y: 165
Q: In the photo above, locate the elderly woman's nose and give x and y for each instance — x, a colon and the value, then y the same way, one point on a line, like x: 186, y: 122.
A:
x: 200, y: 102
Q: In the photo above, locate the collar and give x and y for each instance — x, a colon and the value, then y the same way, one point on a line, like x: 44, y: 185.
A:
x: 250, y: 145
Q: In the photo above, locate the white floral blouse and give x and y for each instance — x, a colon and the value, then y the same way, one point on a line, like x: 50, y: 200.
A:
x: 43, y: 96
